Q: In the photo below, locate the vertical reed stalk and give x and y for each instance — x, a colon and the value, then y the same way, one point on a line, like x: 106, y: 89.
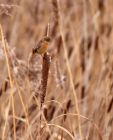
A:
x: 5, y: 45
x: 45, y: 72
x: 59, y: 19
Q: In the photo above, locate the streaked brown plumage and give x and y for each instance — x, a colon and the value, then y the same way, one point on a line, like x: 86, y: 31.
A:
x: 42, y: 46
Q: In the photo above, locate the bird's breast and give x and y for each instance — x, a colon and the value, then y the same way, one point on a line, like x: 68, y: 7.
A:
x: 43, y: 48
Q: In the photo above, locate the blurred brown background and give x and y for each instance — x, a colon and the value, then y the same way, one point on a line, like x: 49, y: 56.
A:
x: 88, y: 35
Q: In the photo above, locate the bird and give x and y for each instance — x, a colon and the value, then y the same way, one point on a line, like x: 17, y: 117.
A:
x: 42, y: 46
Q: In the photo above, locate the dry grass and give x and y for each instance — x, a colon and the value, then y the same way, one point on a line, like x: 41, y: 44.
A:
x: 66, y: 93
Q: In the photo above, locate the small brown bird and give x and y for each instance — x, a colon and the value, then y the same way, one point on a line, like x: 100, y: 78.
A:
x: 42, y: 46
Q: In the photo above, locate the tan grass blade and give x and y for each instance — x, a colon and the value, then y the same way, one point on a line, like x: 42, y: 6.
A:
x: 67, y: 63
x: 5, y: 45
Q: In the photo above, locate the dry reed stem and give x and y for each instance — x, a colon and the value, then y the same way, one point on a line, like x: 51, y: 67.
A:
x: 24, y: 108
x: 48, y: 30
x: 45, y: 72
x: 55, y: 18
x: 4, y: 129
x: 63, y: 129
x: 55, y: 10
x: 5, y: 45
x: 81, y: 116
x: 59, y: 18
